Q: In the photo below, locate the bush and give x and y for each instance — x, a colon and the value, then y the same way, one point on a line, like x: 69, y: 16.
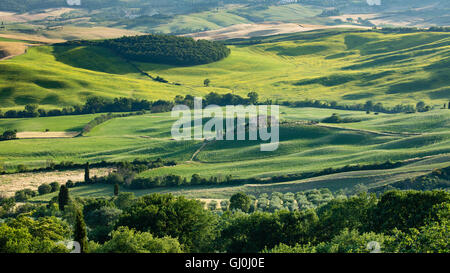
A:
x: 240, y: 201
x: 8, y: 135
x: 55, y: 186
x: 24, y: 195
x: 44, y: 189
x: 125, y: 240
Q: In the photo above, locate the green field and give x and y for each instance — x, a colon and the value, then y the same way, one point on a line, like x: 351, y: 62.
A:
x: 302, y: 147
x: 350, y: 67
x: 345, y: 66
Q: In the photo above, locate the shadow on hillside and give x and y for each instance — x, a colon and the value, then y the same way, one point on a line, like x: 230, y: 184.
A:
x: 93, y: 58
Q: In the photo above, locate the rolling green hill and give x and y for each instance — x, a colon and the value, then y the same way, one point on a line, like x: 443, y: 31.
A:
x: 302, y: 147
x: 334, y: 65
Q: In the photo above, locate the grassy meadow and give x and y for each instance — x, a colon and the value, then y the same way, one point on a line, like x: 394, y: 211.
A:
x: 345, y: 66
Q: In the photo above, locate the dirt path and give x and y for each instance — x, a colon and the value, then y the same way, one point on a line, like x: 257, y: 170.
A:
x: 199, y: 150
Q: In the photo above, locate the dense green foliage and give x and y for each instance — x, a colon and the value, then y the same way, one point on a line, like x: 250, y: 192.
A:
x: 336, y: 118
x: 409, y: 221
x: 125, y: 240
x: 164, y: 49
x: 178, y: 217
x: 26, y: 235
x: 8, y: 135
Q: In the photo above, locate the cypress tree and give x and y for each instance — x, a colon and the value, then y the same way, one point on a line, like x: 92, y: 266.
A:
x: 63, y: 197
x: 86, y: 173
x: 116, y: 189
x: 80, y: 233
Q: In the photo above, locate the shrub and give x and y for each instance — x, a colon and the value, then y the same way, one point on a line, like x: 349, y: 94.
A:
x: 44, y: 189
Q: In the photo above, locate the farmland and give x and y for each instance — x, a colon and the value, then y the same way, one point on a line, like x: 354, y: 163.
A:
x: 361, y: 65
x: 303, y: 148
x: 89, y: 151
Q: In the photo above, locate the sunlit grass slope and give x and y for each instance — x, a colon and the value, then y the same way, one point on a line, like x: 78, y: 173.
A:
x: 334, y: 65
x: 350, y: 68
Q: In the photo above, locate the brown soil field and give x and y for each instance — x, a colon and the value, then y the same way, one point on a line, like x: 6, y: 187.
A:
x: 255, y: 30
x: 12, y: 49
x: 10, y: 183
x: 30, y: 37
x: 26, y: 17
x: 28, y: 135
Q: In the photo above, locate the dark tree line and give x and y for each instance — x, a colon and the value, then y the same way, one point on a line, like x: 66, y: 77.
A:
x: 367, y: 106
x: 163, y: 49
x: 102, y: 105
x: 140, y: 183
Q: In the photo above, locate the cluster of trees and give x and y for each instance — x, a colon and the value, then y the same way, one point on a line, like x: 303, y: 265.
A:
x: 330, y: 12
x: 399, y: 221
x: 164, y: 49
x: 8, y: 135
x: 93, y: 105
x: 368, y: 106
x: 278, y: 201
x: 414, y: 29
x: 137, y: 165
x: 336, y: 118
x: 292, y: 201
x: 347, y: 225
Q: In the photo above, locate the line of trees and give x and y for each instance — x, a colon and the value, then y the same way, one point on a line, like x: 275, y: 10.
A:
x: 414, y: 29
x: 102, y: 105
x: 377, y: 107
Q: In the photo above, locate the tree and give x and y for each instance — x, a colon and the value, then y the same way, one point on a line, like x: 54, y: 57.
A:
x: 80, y: 233
x: 240, y: 201
x: 178, y: 217
x: 63, y: 197
x: 55, y: 186
x: 9, y: 135
x: 253, y: 97
x: 86, y: 173
x: 27, y: 235
x: 116, y: 189
x: 404, y: 210
x: 31, y: 110
x: 420, y: 106
x: 206, y: 82
x: 44, y: 189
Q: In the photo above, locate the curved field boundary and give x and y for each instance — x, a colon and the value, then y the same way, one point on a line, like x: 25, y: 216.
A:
x: 367, y: 131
